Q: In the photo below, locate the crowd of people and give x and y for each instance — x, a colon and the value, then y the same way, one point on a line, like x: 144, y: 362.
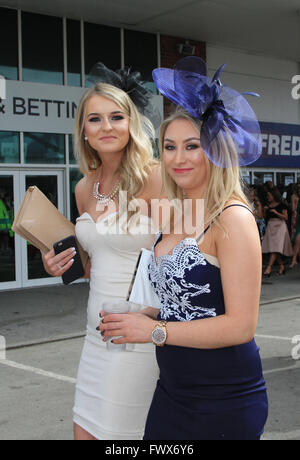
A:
x: 277, y: 213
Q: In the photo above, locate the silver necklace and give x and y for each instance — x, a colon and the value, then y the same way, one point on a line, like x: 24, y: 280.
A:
x: 105, y: 199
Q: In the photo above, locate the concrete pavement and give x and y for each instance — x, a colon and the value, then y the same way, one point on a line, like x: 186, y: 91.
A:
x: 39, y: 315
x: 38, y: 381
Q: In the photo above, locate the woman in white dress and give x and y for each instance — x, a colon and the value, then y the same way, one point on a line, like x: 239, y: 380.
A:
x: 113, y: 390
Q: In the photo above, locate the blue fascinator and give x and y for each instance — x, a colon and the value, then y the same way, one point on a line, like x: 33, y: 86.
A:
x: 219, y: 107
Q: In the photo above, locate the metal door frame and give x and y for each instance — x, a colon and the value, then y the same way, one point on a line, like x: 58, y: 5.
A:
x: 60, y: 187
x: 16, y: 196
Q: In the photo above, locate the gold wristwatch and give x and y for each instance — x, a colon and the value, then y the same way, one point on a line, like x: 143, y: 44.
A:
x: 159, y: 334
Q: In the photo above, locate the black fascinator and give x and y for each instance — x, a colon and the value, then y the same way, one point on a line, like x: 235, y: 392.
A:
x: 131, y: 83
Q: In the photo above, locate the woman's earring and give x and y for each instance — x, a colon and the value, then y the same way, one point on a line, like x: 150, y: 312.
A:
x: 85, y: 138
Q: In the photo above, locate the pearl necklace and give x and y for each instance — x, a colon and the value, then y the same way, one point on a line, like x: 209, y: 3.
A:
x: 105, y: 199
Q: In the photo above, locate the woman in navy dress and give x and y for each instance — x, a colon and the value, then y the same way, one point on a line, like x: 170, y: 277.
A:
x: 211, y: 385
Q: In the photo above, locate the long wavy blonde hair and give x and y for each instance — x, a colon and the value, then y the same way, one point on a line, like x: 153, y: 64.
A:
x: 224, y: 184
x: 138, y: 158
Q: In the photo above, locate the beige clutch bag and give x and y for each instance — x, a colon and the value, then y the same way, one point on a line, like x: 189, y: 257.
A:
x: 39, y: 222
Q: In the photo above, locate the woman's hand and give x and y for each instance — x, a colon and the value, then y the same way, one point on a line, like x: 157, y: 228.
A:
x: 57, y: 265
x: 283, y: 216
x: 133, y: 327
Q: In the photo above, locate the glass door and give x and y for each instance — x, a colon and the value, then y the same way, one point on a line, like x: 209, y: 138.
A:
x: 10, y: 271
x: 284, y: 179
x: 51, y: 184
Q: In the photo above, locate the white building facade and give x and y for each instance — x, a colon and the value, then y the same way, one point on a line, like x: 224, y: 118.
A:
x: 44, y: 63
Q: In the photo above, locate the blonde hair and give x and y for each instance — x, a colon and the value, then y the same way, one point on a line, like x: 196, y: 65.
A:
x: 138, y: 158
x: 224, y: 184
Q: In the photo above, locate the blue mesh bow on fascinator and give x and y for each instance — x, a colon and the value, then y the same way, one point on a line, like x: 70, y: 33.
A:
x: 219, y: 107
x: 130, y: 82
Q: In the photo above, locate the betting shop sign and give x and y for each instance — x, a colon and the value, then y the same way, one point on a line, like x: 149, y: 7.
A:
x: 36, y: 107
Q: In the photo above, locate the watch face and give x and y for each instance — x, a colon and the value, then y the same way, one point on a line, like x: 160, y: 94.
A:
x: 158, y: 335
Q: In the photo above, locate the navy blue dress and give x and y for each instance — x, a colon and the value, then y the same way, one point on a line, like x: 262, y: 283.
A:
x: 215, y: 394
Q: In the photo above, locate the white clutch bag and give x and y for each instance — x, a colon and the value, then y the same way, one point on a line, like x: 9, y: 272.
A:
x: 141, y: 292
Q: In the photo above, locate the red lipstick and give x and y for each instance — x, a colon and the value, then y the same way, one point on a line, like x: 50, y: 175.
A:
x: 182, y: 170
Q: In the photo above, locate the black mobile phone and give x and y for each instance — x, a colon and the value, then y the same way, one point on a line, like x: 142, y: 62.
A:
x: 76, y: 270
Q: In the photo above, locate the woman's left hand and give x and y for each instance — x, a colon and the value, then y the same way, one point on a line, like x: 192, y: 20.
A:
x: 133, y: 327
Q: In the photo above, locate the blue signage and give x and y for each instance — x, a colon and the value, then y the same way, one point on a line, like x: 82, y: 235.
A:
x: 281, y: 146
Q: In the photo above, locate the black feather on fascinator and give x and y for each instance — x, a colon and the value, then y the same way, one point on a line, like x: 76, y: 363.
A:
x: 131, y: 83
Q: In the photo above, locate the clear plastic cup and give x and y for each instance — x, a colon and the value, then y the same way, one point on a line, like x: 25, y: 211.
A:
x: 115, y: 306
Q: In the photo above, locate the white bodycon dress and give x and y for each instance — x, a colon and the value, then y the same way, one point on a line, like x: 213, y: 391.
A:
x: 114, y: 390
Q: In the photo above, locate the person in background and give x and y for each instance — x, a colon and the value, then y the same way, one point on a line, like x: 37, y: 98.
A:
x: 293, y: 200
x: 211, y: 385
x: 258, y: 211
x: 296, y: 225
x: 276, y: 241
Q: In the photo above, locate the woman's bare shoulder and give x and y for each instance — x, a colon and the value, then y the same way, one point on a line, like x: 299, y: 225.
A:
x: 153, y: 188
x: 235, y: 212
x: 85, y: 182
x: 239, y: 224
x: 81, y: 186
x: 82, y: 191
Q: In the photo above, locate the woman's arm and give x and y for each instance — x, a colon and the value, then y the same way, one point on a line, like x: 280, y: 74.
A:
x: 150, y: 312
x: 79, y: 197
x: 240, y: 264
x: 259, y: 211
x: 295, y: 200
x: 281, y: 215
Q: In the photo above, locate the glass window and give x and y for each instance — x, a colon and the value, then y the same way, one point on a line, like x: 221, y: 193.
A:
x: 246, y: 176
x: 9, y: 44
x: 260, y: 178
x: 141, y: 54
x: 101, y: 44
x: 284, y: 179
x: 44, y: 148
x: 42, y: 45
x: 74, y: 53
x: 48, y: 185
x: 9, y: 147
x: 72, y: 159
x: 75, y: 176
